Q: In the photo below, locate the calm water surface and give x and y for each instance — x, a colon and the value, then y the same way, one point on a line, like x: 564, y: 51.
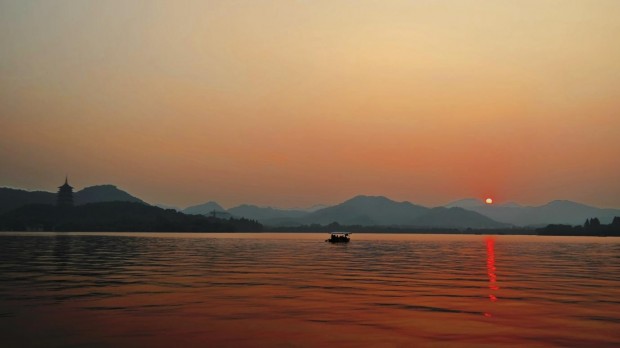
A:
x: 253, y: 290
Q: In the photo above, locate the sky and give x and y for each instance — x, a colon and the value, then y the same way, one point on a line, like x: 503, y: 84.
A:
x: 296, y: 103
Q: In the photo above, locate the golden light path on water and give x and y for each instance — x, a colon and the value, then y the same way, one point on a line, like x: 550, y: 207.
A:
x: 493, y: 288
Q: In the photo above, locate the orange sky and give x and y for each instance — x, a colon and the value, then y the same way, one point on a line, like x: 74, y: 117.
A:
x: 293, y: 103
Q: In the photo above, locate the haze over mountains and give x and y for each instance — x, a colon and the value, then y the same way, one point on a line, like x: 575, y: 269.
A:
x: 359, y: 210
x: 554, y: 212
x: 204, y: 209
x: 381, y: 211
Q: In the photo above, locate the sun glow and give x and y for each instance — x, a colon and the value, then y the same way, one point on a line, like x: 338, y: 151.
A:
x: 488, y: 201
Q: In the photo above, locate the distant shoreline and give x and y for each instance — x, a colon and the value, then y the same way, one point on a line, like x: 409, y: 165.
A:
x: 485, y: 233
x: 138, y: 217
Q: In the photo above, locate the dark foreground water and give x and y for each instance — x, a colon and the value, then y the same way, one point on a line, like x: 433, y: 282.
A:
x: 253, y: 290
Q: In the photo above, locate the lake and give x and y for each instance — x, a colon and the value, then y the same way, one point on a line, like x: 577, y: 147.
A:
x: 295, y: 290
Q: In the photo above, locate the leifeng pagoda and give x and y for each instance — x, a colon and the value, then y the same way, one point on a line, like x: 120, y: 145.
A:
x: 65, y: 195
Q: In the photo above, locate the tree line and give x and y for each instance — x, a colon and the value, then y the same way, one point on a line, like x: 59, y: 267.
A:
x: 117, y: 217
x: 591, y: 227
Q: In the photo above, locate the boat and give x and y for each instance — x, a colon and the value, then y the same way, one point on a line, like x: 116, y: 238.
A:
x: 339, y: 237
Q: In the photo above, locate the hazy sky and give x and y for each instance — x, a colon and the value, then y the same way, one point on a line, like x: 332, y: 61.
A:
x: 292, y: 103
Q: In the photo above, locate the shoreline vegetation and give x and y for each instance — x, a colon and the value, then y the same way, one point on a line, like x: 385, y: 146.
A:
x: 398, y: 229
x: 139, y: 217
x: 592, y: 227
x: 117, y: 217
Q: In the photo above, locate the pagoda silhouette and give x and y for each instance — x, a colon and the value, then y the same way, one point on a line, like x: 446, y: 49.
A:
x: 65, y: 195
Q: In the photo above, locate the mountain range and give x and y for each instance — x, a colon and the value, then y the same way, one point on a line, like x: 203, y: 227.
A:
x: 375, y: 211
x: 359, y: 210
x: 554, y: 212
x: 473, y: 213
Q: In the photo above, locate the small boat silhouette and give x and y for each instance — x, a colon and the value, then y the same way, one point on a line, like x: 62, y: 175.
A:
x: 339, y: 237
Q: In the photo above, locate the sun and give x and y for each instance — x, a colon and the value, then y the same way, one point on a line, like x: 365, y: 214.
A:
x: 488, y: 200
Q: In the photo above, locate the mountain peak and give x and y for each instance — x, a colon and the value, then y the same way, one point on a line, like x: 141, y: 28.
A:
x: 264, y: 214
x: 367, y: 210
x: 102, y: 186
x: 204, y: 208
x: 369, y: 198
x: 566, y: 203
x: 372, y: 200
x: 104, y: 193
x: 456, y: 217
x: 466, y: 203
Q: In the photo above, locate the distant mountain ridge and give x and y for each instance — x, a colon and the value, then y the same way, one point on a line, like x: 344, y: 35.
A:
x: 359, y: 210
x: 14, y: 198
x: 456, y: 218
x: 265, y: 213
x: 475, y: 203
x: 103, y: 193
x: 382, y: 211
x: 116, y: 216
x: 204, y: 209
x: 554, y: 212
x: 369, y: 211
x: 465, y: 203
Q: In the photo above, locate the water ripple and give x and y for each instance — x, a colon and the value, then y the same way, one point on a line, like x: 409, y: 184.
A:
x: 200, y: 289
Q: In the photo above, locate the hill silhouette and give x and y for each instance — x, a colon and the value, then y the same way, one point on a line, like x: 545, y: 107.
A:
x: 265, y: 214
x: 358, y: 211
x: 367, y: 210
x: 116, y: 216
x: 104, y: 193
x: 591, y: 227
x: 381, y: 211
x: 465, y: 203
x: 204, y: 209
x: 554, y: 212
x: 14, y: 198
x: 456, y: 218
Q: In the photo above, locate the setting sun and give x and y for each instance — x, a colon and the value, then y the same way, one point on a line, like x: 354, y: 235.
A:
x: 488, y: 201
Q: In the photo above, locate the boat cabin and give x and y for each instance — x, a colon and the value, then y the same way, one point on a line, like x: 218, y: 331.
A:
x: 339, y: 237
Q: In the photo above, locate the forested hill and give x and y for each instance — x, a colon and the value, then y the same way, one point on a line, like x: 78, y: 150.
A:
x: 117, y: 216
x: 14, y: 198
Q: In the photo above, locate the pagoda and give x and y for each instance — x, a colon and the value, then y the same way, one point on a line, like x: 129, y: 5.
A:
x: 65, y: 195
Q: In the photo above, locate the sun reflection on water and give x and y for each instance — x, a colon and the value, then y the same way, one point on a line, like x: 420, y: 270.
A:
x: 493, y: 288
